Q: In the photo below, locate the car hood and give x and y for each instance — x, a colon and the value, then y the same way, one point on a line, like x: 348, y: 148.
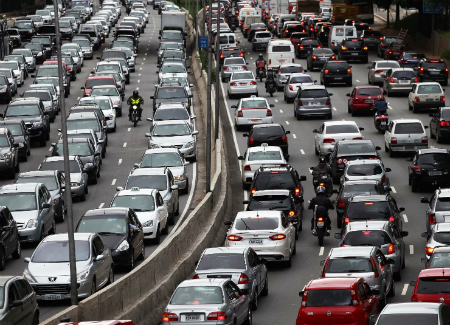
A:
x: 65, y: 29
x: 173, y: 140
x: 41, y: 271
x: 24, y: 216
x: 145, y: 216
x: 4, y: 150
x: 19, y: 138
x: 113, y: 241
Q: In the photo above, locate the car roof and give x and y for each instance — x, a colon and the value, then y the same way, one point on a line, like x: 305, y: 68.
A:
x: 170, y: 122
x: 433, y: 272
x: 355, y: 141
x: 78, y: 236
x: 441, y: 249
x: 148, y: 171
x: 107, y: 211
x: 339, y: 123
x: 75, y: 140
x: 312, y: 87
x: 428, y: 83
x: 80, y: 131
x: 332, y: 283
x: 364, y: 161
x: 362, y: 181
x: 262, y: 148
x: 38, y: 173
x: 266, y: 125
x: 59, y: 158
x: 160, y: 150
x: 367, y: 225
x: 357, y: 251
x: 81, y: 116
x: 137, y: 191
x: 20, y: 188
x: 271, y: 192
x: 364, y: 198
x: 203, y: 282
x: 265, y: 214
x: 411, y: 308
x: 407, y: 121
x: 100, y: 77
x: 217, y: 250
x: 433, y: 150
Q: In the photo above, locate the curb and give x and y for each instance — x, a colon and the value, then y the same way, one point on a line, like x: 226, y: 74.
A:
x: 381, y: 18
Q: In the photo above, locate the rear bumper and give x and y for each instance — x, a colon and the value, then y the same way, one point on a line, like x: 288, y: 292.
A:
x: 337, y: 79
x: 404, y: 148
x: 313, y: 111
x: 358, y: 56
x: 425, y: 105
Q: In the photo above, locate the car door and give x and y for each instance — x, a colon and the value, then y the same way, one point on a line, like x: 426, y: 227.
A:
x: 135, y: 235
x: 7, y: 234
x: 319, y: 136
x: 101, y: 266
x: 411, y: 95
x: 241, y: 303
x: 365, y: 304
x: 174, y: 192
x: 395, y: 212
x: 372, y: 301
x: 288, y: 230
x: 14, y: 315
x: 161, y: 207
x: 43, y: 212
x: 387, y: 134
x: 398, y: 239
x: 28, y: 301
x: 384, y: 269
x: 254, y: 270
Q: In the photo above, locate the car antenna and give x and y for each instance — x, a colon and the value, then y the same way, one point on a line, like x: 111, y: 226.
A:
x: 439, y: 190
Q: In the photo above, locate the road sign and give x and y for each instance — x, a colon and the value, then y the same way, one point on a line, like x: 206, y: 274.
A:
x: 203, y: 42
x: 430, y: 8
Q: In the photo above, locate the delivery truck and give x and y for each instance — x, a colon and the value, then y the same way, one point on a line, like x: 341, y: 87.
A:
x: 175, y: 20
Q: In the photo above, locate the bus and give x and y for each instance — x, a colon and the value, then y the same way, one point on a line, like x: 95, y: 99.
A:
x: 365, y: 9
x: 5, y: 43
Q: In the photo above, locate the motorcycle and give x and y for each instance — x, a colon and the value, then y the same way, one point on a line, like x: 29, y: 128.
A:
x: 135, y: 115
x: 271, y: 88
x: 320, y: 228
x: 322, y: 179
x: 381, y: 122
x: 261, y: 74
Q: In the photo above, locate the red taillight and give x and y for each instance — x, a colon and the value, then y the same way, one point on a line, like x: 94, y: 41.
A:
x: 392, y: 249
x: 240, y: 114
x: 341, y: 203
x: 196, y: 276
x: 291, y: 88
x: 278, y: 237
x: 381, y: 38
x: 333, y: 57
x: 300, y: 103
x: 328, y: 102
x: 425, y: 139
x: 344, y: 48
x: 391, y: 79
x: 341, y: 161
x: 250, y: 140
x: 291, y: 213
x: 416, y: 79
x: 445, y: 123
x: 391, y: 219
x: 432, y: 219
x: 247, y: 167
x: 393, y: 140
x: 297, y: 191
x: 243, y: 279
x: 346, y: 220
x: 314, y: 57
x: 319, y: 47
x: 378, y: 71
x: 326, y: 71
x: 221, y: 56
x: 383, y: 179
x: 242, y: 54
x: 234, y: 238
x: 349, y: 70
x: 301, y: 46
x: 429, y: 250
x: 417, y: 169
x: 416, y: 99
x: 225, y: 68
x: 269, y: 112
x: 375, y: 268
x: 233, y: 84
x: 442, y: 98
x: 329, y: 140
x: 283, y: 138
x: 421, y: 70
x: 217, y: 315
x: 325, y: 267
x: 253, y: 83
x: 358, y: 138
x: 446, y: 70
x: 253, y: 190
x: 170, y: 317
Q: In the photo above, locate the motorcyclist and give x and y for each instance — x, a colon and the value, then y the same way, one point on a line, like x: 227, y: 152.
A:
x: 260, y: 63
x: 322, y: 166
x: 270, y: 77
x: 135, y: 99
x: 380, y: 107
x: 323, y: 205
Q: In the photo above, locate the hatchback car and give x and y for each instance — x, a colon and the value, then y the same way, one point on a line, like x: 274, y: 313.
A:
x: 411, y: 58
x: 10, y: 239
x: 362, y: 99
x: 440, y: 124
x: 371, y: 38
x: 231, y: 65
x: 50, y: 107
x: 363, y: 169
x: 318, y: 57
x: 426, y: 95
x: 377, y: 68
x: 29, y: 57
x: 272, y: 134
x: 398, y: 80
x: 405, y: 135
x: 432, y: 70
x: 438, y: 207
x: 294, y: 82
x: 88, y: 120
x: 261, y: 40
x: 384, y: 43
x: 330, y: 132
x: 432, y: 286
x: 440, y: 237
x: 242, y: 83
x: 421, y: 312
x: 15, y: 67
x: 440, y: 257
x: 313, y: 101
x: 353, y: 49
x: 306, y: 45
x: 285, y: 71
x: 252, y: 111
x: 336, y: 72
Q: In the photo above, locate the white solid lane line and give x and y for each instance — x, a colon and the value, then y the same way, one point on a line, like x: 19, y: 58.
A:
x: 393, y: 189
x: 120, y: 161
x: 124, y: 145
x: 405, y: 289
x: 101, y: 205
x: 191, y: 192
x: 405, y: 217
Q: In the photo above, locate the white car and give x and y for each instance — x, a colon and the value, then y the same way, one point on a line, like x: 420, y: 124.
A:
x: 294, y: 81
x: 150, y: 210
x: 74, y: 46
x: 331, y: 132
x: 366, y: 169
x: 111, y: 92
x: 15, y: 67
x: 406, y: 135
x: 251, y: 111
x: 269, y: 233
x: 242, y: 83
x: 255, y: 157
x: 172, y: 69
x: 106, y: 104
x: 426, y: 95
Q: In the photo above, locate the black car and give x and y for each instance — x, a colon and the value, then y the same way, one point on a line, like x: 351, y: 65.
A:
x: 306, y: 45
x: 20, y: 134
x: 373, y: 207
x: 170, y: 94
x: 353, y: 49
x: 440, y: 124
x: 361, y: 27
x: 228, y: 52
x: 25, y: 27
x: 279, y: 178
x: 5, y: 90
x: 272, y: 134
x: 384, y: 43
x: 320, y: 28
x: 256, y: 27
x: 83, y: 148
x: 32, y: 112
x: 120, y: 230
x: 9, y: 239
x: 88, y: 120
x: 348, y: 150
x: 9, y: 153
x: 318, y: 57
x: 47, y: 44
x: 429, y: 167
x: 277, y: 200
x: 38, y: 51
x: 15, y: 37
x: 352, y: 188
x: 371, y: 38
x: 323, y: 33
x: 432, y: 70
x: 292, y: 27
x: 336, y: 72
x: 65, y: 27
x: 54, y: 180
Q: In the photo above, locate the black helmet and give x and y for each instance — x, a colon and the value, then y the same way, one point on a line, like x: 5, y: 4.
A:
x: 322, y: 160
x: 260, y: 55
x: 135, y: 93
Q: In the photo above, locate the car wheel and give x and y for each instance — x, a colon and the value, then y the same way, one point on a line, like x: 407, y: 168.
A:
x: 157, y: 239
x: 141, y: 256
x: 103, y: 153
x: 94, y: 287
x: 42, y: 234
x: 438, y: 138
x: 349, y: 110
x: 288, y: 263
x: 177, y: 211
x: 397, y: 277
x: 36, y: 319
x: 171, y: 219
x: 62, y: 216
x: 165, y: 230
x: 316, y: 151
x: 414, y: 185
x: 294, y: 251
x: 391, y: 153
x: 392, y: 291
x: 17, y: 252
x: 265, y: 291
x: 111, y: 275
x: 95, y: 180
x: 2, y: 259
x: 83, y: 197
x: 52, y: 230
x: 339, y: 221
x: 415, y: 110
x: 255, y: 301
x: 403, y: 263
x: 432, y: 136
x: 186, y: 189
x: 382, y: 302
x: 42, y: 141
x: 249, y: 319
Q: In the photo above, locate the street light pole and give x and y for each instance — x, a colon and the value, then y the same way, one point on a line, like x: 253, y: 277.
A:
x: 208, y: 108
x: 217, y: 47
x: 68, y: 192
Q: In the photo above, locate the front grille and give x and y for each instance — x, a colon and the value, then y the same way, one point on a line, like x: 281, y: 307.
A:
x: 45, y: 289
x: 20, y: 225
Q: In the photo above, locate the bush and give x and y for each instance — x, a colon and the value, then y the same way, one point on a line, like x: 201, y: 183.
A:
x: 445, y: 54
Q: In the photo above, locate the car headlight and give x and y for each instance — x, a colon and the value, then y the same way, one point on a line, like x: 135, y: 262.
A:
x: 123, y: 246
x: 31, y: 31
x: 89, y: 165
x: 37, y: 124
x: 189, y: 144
x: 111, y: 116
x: 27, y: 275
x: 3, y: 90
x: 153, y: 146
x: 178, y: 178
x: 82, y: 275
x: 148, y: 223
x: 39, y: 54
x: 116, y: 102
x: 32, y: 223
x: 74, y: 184
x: 48, y: 108
x: 5, y: 155
x: 21, y: 145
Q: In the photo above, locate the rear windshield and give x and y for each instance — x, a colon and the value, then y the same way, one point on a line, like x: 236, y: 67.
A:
x: 360, y: 189
x: 300, y: 80
x: 341, y: 65
x: 291, y: 69
x: 440, y: 260
x: 298, y: 36
x: 362, y: 27
x: 234, y: 61
x: 434, y: 285
x: 221, y: 261
x: 409, y: 128
x: 414, y: 56
x: 349, y: 265
x: 314, y: 93
x: 434, y: 159
x: 274, y: 181
x: 353, y: 43
x: 369, y: 92
x: 388, y: 65
x: 322, y: 51
x: 47, y: 29
x: 404, y: 74
x: 435, y: 65
x: 197, y: 295
x: 113, y: 54
x: 442, y: 237
x: 410, y: 319
x: 310, y: 42
x: 264, y: 155
x: 368, y: 211
x: 344, y: 31
x: 263, y: 35
x: 281, y: 48
x: 99, y: 82
x: 268, y: 131
x: 322, y: 298
x: 270, y: 202
x: 429, y: 89
x: 356, y: 148
x: 364, y: 170
x: 367, y: 238
x: 445, y: 113
x: 45, y: 96
x: 336, y: 129
x: 256, y: 223
x: 226, y: 39
x: 443, y: 204
x: 59, y: 166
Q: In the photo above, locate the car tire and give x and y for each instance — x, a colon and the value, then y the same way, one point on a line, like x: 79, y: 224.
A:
x: 294, y: 252
x: 288, y: 263
x: 62, y: 216
x: 339, y: 222
x: 42, y: 141
x: 316, y: 151
x: 17, y: 252
x: 165, y: 230
x: 93, y: 287
x: 414, y: 185
x: 403, y: 263
x: 171, y: 219
x: 349, y: 110
x: 265, y: 290
x: 111, y: 275
x: 52, y: 230
x: 254, y: 301
x: 415, y: 110
x: 2, y: 259
x: 392, y: 291
x: 35, y: 319
x: 177, y: 211
x: 95, y: 180
x: 83, y: 197
x: 249, y: 319
x: 353, y: 112
x: 382, y: 302
x: 386, y: 149
x: 432, y: 136
x: 141, y: 256
x: 300, y: 224
x: 438, y: 138
x: 157, y: 239
x: 186, y: 189
x: 397, y: 277
x: 391, y: 153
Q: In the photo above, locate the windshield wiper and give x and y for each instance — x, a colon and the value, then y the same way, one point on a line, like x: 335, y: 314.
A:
x: 108, y: 233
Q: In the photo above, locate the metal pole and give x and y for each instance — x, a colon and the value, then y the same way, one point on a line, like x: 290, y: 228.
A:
x: 432, y: 31
x: 68, y: 192
x: 216, y: 108
x: 208, y: 108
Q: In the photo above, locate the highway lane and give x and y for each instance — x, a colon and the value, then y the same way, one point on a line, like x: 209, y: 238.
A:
x: 125, y: 146
x: 283, y: 302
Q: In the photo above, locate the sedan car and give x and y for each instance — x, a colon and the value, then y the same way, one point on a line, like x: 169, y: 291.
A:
x: 318, y: 57
x: 172, y: 69
x: 398, y: 80
x: 363, y: 98
x: 251, y: 111
x: 29, y: 58
x: 242, y: 83
x: 48, y: 268
x: 272, y: 134
x: 213, y: 301
x: 363, y: 169
x: 107, y: 107
x: 285, y: 71
x: 175, y: 111
x: 295, y: 81
x: 440, y: 257
x: 15, y: 67
x: 330, y: 132
x: 50, y: 106
x: 231, y: 65
x: 269, y: 233
x: 241, y: 264
x: 112, y: 93
x: 377, y: 68
x: 439, y: 237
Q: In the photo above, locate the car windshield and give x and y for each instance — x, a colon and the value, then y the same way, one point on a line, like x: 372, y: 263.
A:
x: 173, y: 68
x: 104, y: 104
x: 65, y: 24
x: 113, y: 54
x: 173, y: 54
x: 338, y: 65
x: 440, y: 259
x: 59, y: 166
x: 10, y: 65
x: 367, y: 238
x: 35, y: 18
x: 391, y: 64
x: 4, y: 141
x: 274, y: 181
x: 73, y: 125
x: 435, y: 65
x: 404, y: 74
x: 82, y: 3
x: 369, y: 210
x: 353, y: 43
x: 409, y: 128
x: 281, y: 48
x: 234, y: 61
x: 167, y: 130
x: 24, y: 52
x: 442, y: 237
x: 165, y: 93
x: 414, y: 56
x: 43, y: 40
x: 107, y: 67
x: 23, y: 25
x: 290, y: 69
x: 19, y: 201
x: 328, y: 298
x: 197, y: 296
x: 158, y: 182
x: 48, y: 72
x: 300, y: 80
x: 313, y: 93
x: 171, y: 35
x: 108, y: 224
x: 364, y: 170
x: 163, y: 159
x: 434, y: 159
x: 53, y: 81
x: 81, y: 136
x: 15, y: 129
x: 256, y: 223
x: 356, y: 148
x: 263, y: 35
x: 341, y: 128
x: 3, y: 80
x: 33, y: 47
x: 264, y: 155
x: 360, y: 189
x: 58, y: 252
x: 48, y: 181
x: 429, y: 89
x: 270, y: 202
x: 253, y: 103
x: 169, y: 45
x: 44, y: 96
x: 270, y: 131
x: 82, y: 42
x: 137, y: 202
x: 6, y: 72
x: 434, y: 285
x: 15, y: 58
x: 221, y: 261
x: 111, y: 91
x: 75, y: 149
x: 369, y: 92
x: 349, y: 265
x: 22, y: 110
x: 242, y: 76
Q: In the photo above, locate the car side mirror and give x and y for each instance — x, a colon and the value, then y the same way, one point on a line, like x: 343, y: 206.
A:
x: 361, y: 129
x: 16, y: 303
x: 119, y: 188
x: 374, y: 318
x: 301, y: 293
x: 271, y: 105
x: 390, y: 261
x: 240, y: 157
x: 315, y: 131
x: 27, y: 260
x: 330, y: 94
x: 322, y: 263
x: 227, y: 223
x: 195, y: 132
x: 404, y: 233
x: 15, y: 145
x: 233, y: 106
x: 100, y: 257
x: 431, y: 115
x: 338, y: 235
x: 245, y: 202
x: 348, y: 95
x: 377, y: 148
x: 424, y: 235
x: 262, y: 260
x: 401, y: 209
x: 148, y: 135
x: 245, y: 135
x: 368, y: 67
x: 425, y: 126
x: 46, y: 206
x: 387, y: 170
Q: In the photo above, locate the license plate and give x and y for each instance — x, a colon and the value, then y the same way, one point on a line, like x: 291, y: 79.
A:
x: 193, y: 318
x: 354, y: 53
x: 383, y: 123
x: 255, y: 241
x: 281, y: 61
x: 409, y: 147
x: 396, y: 53
x: 256, y: 121
x: 243, y: 84
x: 435, y: 173
x: 429, y: 99
x: 53, y: 297
x: 369, y: 100
x: 403, y: 81
x: 434, y: 72
x: 337, y: 78
x: 320, y: 224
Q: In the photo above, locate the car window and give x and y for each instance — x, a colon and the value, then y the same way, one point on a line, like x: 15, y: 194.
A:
x: 349, y: 265
x: 369, y: 210
x: 313, y: 93
x: 328, y: 297
x: 236, y: 289
x: 3, y: 221
x: 281, y: 48
x: 369, y: 92
x: 260, y: 223
x: 435, y: 65
x: 41, y: 198
x: 366, y: 238
x: 339, y: 66
x: 429, y: 89
x: 362, y: 292
x: 13, y: 294
x: 409, y: 128
x: 98, y: 244
x: 22, y: 289
x: 364, y: 170
x: 343, y: 128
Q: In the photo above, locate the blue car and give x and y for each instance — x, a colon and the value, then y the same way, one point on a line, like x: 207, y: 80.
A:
x: 410, y: 58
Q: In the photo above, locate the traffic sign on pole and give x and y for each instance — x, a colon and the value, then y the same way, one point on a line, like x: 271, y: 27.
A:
x: 430, y: 8
x: 203, y: 42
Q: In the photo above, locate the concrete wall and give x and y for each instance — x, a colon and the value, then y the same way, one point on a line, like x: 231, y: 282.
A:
x: 142, y: 294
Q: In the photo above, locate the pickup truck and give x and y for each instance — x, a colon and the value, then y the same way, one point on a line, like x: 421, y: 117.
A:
x: 391, y: 54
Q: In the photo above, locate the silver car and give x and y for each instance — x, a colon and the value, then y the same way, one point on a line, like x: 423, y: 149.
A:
x: 168, y: 46
x: 131, y: 57
x: 175, y: 111
x: 231, y: 65
x: 86, y: 48
x: 9, y: 74
x: 367, y: 262
x: 18, y: 72
x: 107, y: 106
x: 50, y: 106
x: 252, y: 111
x: 48, y: 268
x: 242, y: 83
x: 398, y: 80
x: 31, y: 61
x: 99, y: 145
x: 383, y: 234
x: 362, y: 169
x: 438, y: 208
x: 74, y: 46
x: 377, y: 68
x: 174, y: 134
x: 110, y: 91
x: 168, y: 157
x: 431, y: 313
x: 440, y: 236
x: 208, y: 302
x: 261, y: 40
x: 293, y: 83
x: 313, y: 101
x: 49, y: 87
x: 241, y: 264
x: 285, y: 72
x: 31, y: 206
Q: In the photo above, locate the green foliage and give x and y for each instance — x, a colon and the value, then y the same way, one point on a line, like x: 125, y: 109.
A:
x: 444, y: 33
x: 411, y: 23
x: 445, y: 54
x: 383, y: 3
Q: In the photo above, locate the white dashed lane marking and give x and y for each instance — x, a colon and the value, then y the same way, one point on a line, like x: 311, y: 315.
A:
x: 287, y: 122
x: 113, y: 182
x: 120, y: 161
x: 321, y: 250
x: 101, y: 205
x: 124, y: 145
x: 334, y: 108
x: 405, y: 289
x: 405, y: 218
x: 302, y: 151
x: 411, y: 249
x: 393, y: 189
x: 295, y: 137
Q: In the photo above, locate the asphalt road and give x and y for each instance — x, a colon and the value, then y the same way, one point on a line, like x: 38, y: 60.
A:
x: 125, y: 147
x: 282, y: 303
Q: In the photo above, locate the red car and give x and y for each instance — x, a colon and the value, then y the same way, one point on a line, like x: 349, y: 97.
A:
x: 102, y: 322
x: 362, y: 98
x: 432, y: 285
x: 97, y: 81
x: 333, y: 300
x: 291, y: 4
x: 391, y: 54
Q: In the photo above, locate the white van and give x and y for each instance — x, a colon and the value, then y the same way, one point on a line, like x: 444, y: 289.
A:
x: 338, y: 33
x: 226, y: 40
x: 280, y: 52
x: 249, y: 12
x: 248, y: 20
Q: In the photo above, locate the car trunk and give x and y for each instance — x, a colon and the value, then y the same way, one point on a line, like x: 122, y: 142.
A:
x: 273, y: 140
x: 329, y: 315
x: 258, y: 240
x: 409, y: 134
x: 233, y: 274
x: 434, y: 289
x: 254, y: 112
x: 314, y: 102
